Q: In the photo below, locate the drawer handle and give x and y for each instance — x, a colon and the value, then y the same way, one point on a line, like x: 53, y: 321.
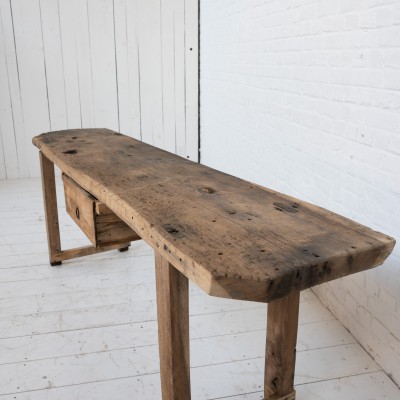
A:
x: 77, y: 212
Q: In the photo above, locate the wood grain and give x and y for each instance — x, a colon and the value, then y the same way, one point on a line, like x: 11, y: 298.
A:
x: 50, y: 208
x: 280, y: 355
x: 233, y: 238
x: 87, y: 251
x: 173, y: 330
x: 110, y: 229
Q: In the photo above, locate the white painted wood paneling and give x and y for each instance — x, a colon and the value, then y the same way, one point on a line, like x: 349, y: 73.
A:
x: 127, y: 54
x: 53, y: 57
x: 83, y: 60
x: 3, y: 173
x: 70, y: 17
x: 168, y: 71
x: 14, y: 90
x: 180, y: 112
x: 127, y: 65
x: 150, y: 64
x: 103, y: 61
x: 191, y: 77
x: 8, y: 144
x: 32, y: 73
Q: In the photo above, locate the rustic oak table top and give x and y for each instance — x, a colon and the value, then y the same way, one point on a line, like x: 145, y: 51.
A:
x: 233, y: 238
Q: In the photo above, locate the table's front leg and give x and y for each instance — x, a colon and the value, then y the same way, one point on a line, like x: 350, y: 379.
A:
x: 50, y: 208
x: 280, y: 357
x: 173, y: 330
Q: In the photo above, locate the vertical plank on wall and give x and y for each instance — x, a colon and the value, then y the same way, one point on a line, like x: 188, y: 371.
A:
x: 67, y: 15
x: 2, y: 165
x: 127, y: 60
x: 150, y: 71
x: 9, y: 146
x: 84, y: 63
x: 134, y: 69
x: 102, y: 45
x: 54, y: 64
x: 7, y: 33
x: 30, y: 56
x: 180, y: 112
x: 168, y: 73
x: 191, y: 78
x: 122, y: 67
x: 3, y: 173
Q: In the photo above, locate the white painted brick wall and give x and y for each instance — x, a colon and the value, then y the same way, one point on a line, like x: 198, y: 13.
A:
x: 304, y: 97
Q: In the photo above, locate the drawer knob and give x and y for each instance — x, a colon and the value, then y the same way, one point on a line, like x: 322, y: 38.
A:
x: 77, y: 212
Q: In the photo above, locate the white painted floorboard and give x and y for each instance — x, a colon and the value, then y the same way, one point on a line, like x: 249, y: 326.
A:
x: 88, y: 330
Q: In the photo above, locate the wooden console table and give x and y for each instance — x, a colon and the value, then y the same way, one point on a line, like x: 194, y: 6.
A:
x: 233, y: 238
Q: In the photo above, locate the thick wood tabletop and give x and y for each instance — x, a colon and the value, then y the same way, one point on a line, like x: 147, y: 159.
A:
x: 231, y: 237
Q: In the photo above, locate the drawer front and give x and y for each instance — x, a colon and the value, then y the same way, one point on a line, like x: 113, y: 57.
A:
x: 96, y: 220
x: 111, y: 230
x: 80, y: 206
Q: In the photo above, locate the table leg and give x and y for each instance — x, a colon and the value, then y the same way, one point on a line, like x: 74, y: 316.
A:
x: 173, y: 330
x: 280, y: 357
x: 50, y: 207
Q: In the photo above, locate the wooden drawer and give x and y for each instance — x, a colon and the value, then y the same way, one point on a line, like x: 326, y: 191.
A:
x: 96, y: 220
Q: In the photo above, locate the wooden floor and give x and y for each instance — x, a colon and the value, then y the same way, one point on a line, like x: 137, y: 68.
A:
x: 87, y: 330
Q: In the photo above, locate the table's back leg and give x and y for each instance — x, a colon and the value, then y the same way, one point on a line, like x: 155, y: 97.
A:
x: 173, y: 330
x: 50, y: 207
x: 280, y: 357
